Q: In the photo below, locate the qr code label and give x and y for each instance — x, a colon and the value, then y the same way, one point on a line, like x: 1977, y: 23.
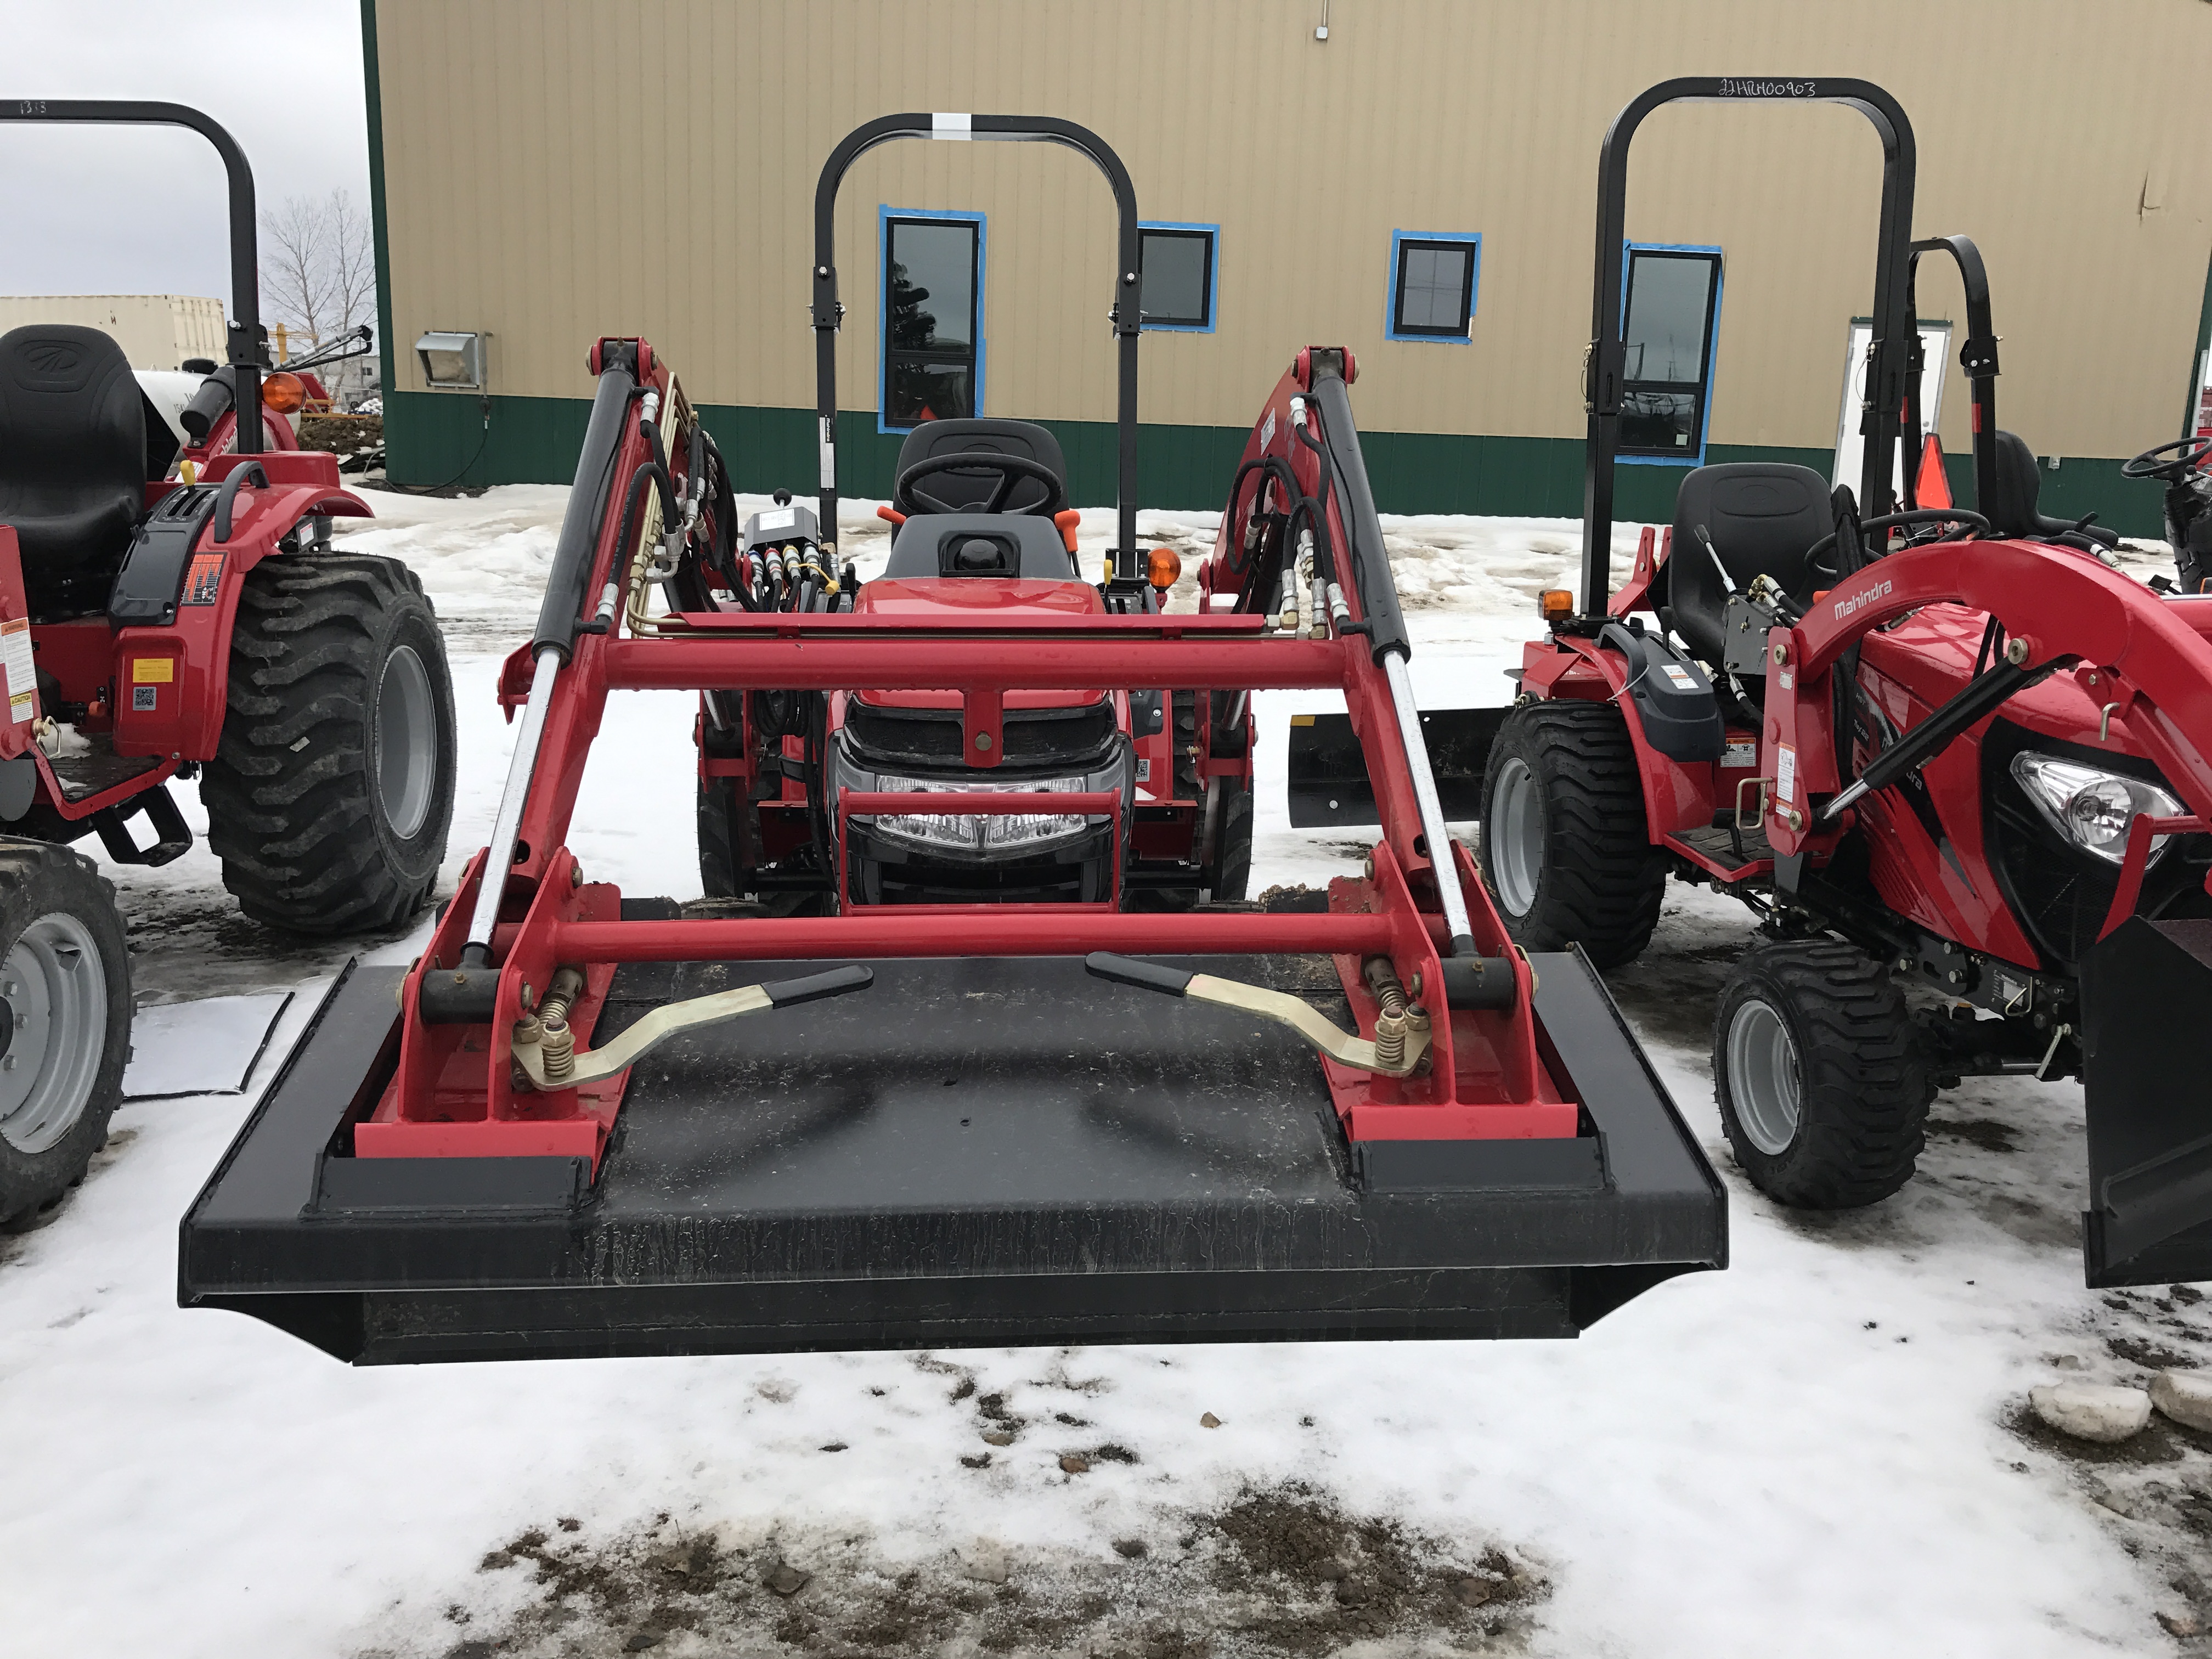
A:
x: 142, y: 698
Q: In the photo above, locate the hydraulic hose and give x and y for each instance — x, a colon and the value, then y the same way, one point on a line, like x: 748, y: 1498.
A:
x: 1977, y: 697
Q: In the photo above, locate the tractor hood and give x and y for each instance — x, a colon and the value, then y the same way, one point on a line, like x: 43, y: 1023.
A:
x: 1931, y: 653
x: 987, y: 602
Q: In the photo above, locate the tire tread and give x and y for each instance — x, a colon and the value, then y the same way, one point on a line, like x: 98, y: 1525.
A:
x: 290, y: 817
x: 1865, y: 1085
x: 1602, y: 878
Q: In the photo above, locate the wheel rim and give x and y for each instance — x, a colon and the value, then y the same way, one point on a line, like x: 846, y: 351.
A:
x: 1762, y: 1077
x: 56, y: 991
x: 407, y: 742
x: 1516, y: 835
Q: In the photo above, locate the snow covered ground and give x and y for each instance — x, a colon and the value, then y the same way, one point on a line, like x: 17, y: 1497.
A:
x: 1817, y: 1452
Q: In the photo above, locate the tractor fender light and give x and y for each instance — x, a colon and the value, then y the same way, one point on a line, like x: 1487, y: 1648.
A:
x: 1164, y: 565
x: 285, y: 393
x: 1555, y: 605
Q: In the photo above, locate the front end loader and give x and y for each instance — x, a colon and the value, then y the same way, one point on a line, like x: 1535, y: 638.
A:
x: 817, y: 1111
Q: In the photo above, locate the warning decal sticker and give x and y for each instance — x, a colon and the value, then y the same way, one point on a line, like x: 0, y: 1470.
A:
x: 1785, y: 771
x: 203, y: 579
x: 22, y: 670
x: 153, y: 671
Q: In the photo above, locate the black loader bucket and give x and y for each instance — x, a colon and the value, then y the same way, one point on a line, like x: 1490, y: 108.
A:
x: 2148, y: 1079
x: 1328, y: 773
x: 980, y: 1151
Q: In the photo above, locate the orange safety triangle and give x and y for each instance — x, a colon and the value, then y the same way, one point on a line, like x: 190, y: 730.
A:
x: 1933, y: 487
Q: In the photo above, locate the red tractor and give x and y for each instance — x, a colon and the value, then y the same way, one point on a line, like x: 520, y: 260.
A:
x: 170, y: 610
x: 1956, y: 753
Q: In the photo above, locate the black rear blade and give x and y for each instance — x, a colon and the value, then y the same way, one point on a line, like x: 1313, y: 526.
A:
x: 1328, y: 774
x: 2148, y: 1079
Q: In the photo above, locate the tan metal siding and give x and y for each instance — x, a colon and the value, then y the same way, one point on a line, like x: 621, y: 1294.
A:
x: 560, y: 168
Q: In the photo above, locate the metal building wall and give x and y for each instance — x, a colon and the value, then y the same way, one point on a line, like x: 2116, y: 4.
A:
x: 555, y: 169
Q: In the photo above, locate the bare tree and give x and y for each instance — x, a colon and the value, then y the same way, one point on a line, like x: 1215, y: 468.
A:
x: 296, y: 284
x: 351, y: 261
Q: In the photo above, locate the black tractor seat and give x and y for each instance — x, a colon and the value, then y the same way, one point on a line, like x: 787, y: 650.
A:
x: 2014, y: 512
x: 980, y: 544
x: 1023, y: 440
x: 72, y: 459
x: 1764, y: 517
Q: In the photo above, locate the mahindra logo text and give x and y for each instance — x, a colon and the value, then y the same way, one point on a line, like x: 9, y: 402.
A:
x: 1859, y: 601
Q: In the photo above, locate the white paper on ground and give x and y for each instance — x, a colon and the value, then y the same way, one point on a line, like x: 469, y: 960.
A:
x: 204, y: 1047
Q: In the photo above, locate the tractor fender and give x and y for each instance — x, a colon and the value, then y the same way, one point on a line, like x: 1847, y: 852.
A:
x: 171, y: 686
x: 1678, y: 794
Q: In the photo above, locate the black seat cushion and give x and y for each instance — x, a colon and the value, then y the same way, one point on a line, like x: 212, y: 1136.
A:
x: 72, y: 450
x: 1018, y: 545
x: 969, y: 491
x: 2013, y: 510
x: 1764, y: 517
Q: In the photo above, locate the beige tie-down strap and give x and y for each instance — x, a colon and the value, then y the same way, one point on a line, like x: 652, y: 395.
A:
x: 542, y: 1048
x: 1408, y: 1034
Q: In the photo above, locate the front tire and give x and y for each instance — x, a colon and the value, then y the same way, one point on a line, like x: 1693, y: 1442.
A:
x: 65, y: 1007
x: 1565, y: 852
x: 1822, y: 1086
x: 329, y: 796
x: 718, y: 840
x: 1230, y: 877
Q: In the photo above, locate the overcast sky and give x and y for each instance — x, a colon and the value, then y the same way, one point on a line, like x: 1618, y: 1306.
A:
x: 96, y: 210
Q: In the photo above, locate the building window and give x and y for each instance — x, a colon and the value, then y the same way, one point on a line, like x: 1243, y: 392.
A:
x: 932, y: 304
x: 1432, y: 283
x: 1179, y: 281
x: 1671, y: 304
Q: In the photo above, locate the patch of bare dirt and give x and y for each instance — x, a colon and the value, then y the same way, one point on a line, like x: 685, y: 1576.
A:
x: 1282, y: 1572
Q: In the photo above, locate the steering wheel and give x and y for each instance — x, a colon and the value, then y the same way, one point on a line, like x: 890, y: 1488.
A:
x: 1925, y: 515
x: 2189, y: 454
x: 1011, y: 469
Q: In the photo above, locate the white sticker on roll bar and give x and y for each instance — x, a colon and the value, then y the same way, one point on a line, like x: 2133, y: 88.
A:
x: 951, y: 126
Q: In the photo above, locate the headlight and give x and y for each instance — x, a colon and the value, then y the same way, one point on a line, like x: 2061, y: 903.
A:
x: 976, y: 832
x: 2091, y: 807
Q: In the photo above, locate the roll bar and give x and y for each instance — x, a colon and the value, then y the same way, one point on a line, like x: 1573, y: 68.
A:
x: 1128, y: 287
x: 1606, y: 367
x: 245, y: 261
x: 1978, y: 356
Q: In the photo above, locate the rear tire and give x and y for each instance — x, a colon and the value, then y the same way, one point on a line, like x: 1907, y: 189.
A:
x: 1822, y: 1086
x: 65, y: 990
x: 1565, y: 853
x: 329, y: 796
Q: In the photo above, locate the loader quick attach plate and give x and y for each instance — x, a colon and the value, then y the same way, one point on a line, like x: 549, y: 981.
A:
x: 980, y: 1151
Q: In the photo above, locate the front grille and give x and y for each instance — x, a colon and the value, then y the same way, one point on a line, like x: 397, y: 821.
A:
x: 882, y: 871
x: 2060, y: 896
x: 1080, y: 739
